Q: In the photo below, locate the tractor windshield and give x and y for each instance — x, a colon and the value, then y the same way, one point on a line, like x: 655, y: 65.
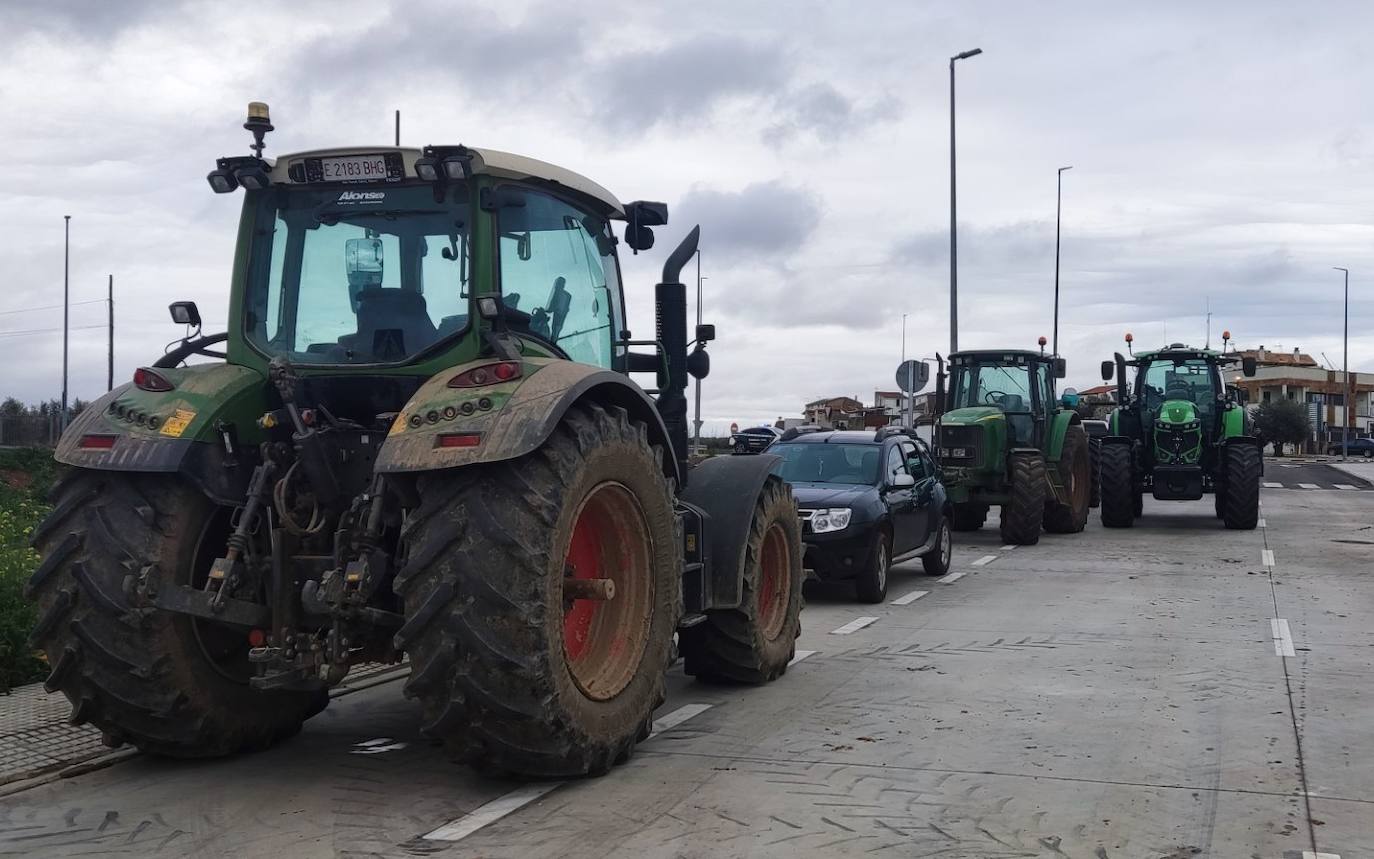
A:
x: 357, y: 274
x: 1007, y: 386
x: 1192, y: 379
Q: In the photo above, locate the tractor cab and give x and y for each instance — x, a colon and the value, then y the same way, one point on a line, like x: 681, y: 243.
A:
x: 1014, y: 387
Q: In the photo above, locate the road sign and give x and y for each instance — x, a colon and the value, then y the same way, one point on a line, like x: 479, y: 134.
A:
x: 913, y: 375
x: 734, y: 428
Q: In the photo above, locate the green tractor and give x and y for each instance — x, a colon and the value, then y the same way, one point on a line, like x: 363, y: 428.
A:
x: 1005, y: 439
x: 1180, y: 434
x: 419, y: 438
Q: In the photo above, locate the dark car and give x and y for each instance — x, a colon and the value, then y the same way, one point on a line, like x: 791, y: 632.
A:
x: 1357, y: 447
x: 867, y: 500
x: 754, y: 439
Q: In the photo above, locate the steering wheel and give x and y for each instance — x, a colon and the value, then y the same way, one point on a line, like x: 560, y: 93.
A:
x: 193, y: 346
x: 994, y: 398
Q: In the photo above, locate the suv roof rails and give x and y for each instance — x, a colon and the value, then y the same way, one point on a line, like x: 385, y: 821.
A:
x: 884, y: 432
x: 793, y: 432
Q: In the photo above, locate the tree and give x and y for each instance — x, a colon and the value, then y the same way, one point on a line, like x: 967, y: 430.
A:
x: 1281, y: 422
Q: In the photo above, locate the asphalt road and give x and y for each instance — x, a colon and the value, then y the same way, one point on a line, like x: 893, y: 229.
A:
x: 1172, y: 690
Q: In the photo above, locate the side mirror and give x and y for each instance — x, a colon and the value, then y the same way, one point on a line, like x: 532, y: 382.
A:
x: 185, y: 313
x: 901, y: 481
x: 1108, y: 370
x: 706, y: 333
x: 1061, y: 368
x: 641, y: 216
x: 363, y: 264
x: 1248, y: 365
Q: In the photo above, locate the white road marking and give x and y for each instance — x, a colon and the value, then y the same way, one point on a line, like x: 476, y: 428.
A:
x: 800, y: 655
x: 1345, y: 486
x: 1267, y: 557
x: 853, y: 626
x: 378, y: 746
x: 983, y: 561
x: 1271, y: 485
x: 909, y: 598
x: 951, y: 578
x: 1008, y: 547
x: 1308, y: 486
x: 1283, y: 637
x: 462, y: 827
x: 1308, y: 854
x: 1260, y: 523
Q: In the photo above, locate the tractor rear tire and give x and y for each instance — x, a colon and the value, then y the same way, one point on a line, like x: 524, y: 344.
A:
x: 970, y: 516
x: 1119, y: 495
x: 754, y: 643
x: 1075, y: 475
x: 1240, y: 506
x: 511, y: 675
x: 170, y: 684
x: 1023, y: 514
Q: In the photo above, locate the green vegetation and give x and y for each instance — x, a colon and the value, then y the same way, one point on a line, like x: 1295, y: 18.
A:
x: 1281, y: 422
x: 25, y: 476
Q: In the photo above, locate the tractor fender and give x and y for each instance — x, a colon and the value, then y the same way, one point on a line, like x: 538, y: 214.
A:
x: 726, y: 489
x: 519, y: 415
x: 1059, y: 427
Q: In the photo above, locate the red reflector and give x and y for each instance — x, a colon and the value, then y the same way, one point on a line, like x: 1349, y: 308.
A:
x: 501, y: 371
x: 99, y: 442
x: 147, y: 380
x: 458, y: 439
x: 256, y: 638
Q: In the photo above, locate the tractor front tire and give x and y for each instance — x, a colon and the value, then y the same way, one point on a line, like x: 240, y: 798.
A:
x: 1240, y: 505
x: 1119, y: 496
x: 1075, y: 475
x: 754, y: 643
x: 970, y: 516
x: 170, y: 684
x: 512, y: 672
x: 1023, y: 514
x: 1095, y: 458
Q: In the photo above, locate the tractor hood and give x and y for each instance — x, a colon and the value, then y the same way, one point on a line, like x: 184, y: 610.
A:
x: 1177, y: 412
x: 973, y: 415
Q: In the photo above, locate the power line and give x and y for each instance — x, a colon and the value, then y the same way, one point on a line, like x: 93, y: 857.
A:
x: 27, y: 332
x: 51, y: 307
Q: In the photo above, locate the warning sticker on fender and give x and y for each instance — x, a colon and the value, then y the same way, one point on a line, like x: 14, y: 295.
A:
x: 177, y: 423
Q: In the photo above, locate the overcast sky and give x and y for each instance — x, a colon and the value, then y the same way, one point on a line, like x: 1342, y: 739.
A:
x: 1221, y: 151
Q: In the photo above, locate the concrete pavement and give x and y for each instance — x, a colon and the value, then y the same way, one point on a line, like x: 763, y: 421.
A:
x: 1109, y: 694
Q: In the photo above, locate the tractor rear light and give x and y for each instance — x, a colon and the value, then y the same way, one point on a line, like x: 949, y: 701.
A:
x: 458, y: 439
x: 487, y: 374
x: 222, y: 181
x: 147, y: 380
x: 427, y: 169
x: 98, y: 441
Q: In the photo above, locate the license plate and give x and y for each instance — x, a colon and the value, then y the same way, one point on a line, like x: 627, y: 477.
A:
x: 956, y: 452
x: 353, y: 168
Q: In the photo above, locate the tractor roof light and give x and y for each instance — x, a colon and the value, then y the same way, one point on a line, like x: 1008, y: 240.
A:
x: 427, y: 169
x: 221, y: 181
x: 457, y: 166
x: 150, y: 380
x: 259, y: 122
x: 252, y: 177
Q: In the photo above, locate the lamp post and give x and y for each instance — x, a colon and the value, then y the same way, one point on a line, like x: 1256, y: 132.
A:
x: 696, y: 416
x: 1058, y: 208
x: 906, y: 410
x: 1345, y: 371
x: 66, y: 309
x: 953, y: 212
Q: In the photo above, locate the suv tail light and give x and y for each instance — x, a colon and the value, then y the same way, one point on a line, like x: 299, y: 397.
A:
x: 487, y: 374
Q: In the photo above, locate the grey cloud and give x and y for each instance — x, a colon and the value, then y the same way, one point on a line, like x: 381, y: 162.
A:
x: 760, y: 222
x: 683, y: 81
x: 825, y: 112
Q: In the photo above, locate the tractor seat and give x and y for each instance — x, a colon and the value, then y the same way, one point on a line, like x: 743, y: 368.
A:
x: 392, y: 324
x: 1013, y: 403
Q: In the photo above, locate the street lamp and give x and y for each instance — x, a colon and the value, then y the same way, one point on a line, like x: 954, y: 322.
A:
x: 696, y: 417
x: 953, y: 210
x: 66, y: 310
x: 1058, y: 207
x: 1345, y: 371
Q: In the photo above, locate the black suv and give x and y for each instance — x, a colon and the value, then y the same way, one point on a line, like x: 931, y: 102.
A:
x: 867, y: 500
x: 754, y: 439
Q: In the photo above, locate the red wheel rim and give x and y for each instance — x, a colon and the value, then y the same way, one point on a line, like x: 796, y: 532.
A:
x: 775, y: 581
x: 604, y: 640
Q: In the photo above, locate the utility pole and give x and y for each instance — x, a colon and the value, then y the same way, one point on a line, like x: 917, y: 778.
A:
x: 109, y: 302
x: 953, y: 213
x: 1345, y: 371
x: 66, y: 309
x: 1058, y: 208
x: 907, y: 398
x: 398, y: 127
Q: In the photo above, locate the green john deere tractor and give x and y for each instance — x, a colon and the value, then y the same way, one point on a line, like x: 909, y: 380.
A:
x: 1180, y: 433
x: 419, y: 438
x: 1005, y: 439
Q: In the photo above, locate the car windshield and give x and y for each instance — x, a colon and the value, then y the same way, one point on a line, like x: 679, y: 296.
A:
x: 827, y: 463
x: 357, y: 274
x: 1007, y: 386
x: 1193, y: 380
